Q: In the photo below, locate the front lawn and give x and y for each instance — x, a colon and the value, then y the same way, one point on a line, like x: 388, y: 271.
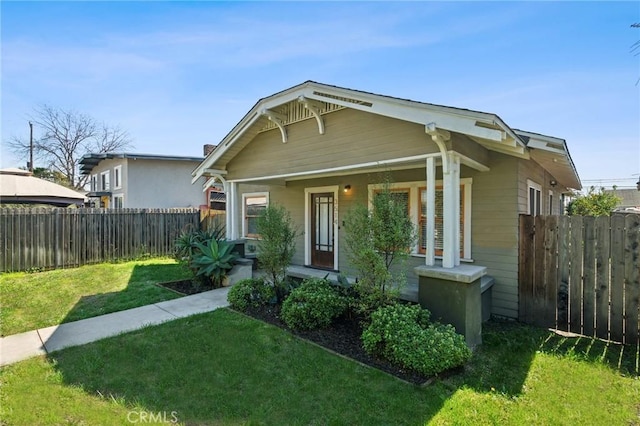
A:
x: 30, y: 301
x: 225, y: 368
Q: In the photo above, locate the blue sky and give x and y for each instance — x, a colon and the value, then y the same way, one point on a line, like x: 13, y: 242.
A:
x: 178, y: 75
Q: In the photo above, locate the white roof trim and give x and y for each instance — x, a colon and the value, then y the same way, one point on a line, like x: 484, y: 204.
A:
x: 472, y: 123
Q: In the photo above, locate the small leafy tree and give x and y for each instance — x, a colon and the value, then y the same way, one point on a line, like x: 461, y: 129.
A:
x: 594, y: 203
x: 277, y: 246
x: 376, y: 240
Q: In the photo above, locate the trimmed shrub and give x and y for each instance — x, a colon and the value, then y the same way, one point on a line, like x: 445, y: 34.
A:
x: 314, y: 304
x: 403, y: 335
x: 252, y: 292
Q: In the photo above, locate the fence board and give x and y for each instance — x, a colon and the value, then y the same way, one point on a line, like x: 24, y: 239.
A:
x: 575, y: 280
x: 603, y: 232
x: 525, y: 272
x: 58, y: 238
x: 596, y: 261
x: 632, y: 277
x: 589, y: 276
x: 550, y: 267
x: 562, y: 314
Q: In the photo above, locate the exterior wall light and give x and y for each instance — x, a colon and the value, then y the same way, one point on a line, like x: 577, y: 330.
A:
x: 347, y: 188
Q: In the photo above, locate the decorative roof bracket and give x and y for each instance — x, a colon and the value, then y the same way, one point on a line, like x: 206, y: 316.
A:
x: 277, y: 119
x: 439, y: 136
x: 314, y: 107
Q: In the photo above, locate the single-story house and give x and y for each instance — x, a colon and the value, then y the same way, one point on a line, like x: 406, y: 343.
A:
x: 465, y: 176
x: 19, y: 186
x: 130, y: 180
x: 629, y: 199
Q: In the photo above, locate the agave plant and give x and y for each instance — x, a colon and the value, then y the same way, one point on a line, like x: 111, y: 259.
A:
x: 214, y: 259
x: 185, y: 245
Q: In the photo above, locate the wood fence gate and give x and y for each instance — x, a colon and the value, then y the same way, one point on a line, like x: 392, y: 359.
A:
x: 581, y: 274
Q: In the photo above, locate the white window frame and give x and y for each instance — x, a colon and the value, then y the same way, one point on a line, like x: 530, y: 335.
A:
x: 94, y: 182
x: 118, y: 197
x: 537, y: 203
x: 244, y: 212
x: 414, y: 207
x: 105, y: 184
x: 117, y: 177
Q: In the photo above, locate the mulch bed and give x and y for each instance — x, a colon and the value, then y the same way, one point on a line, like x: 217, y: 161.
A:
x: 343, y: 337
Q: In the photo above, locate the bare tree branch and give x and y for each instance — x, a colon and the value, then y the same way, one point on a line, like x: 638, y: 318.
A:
x: 64, y: 137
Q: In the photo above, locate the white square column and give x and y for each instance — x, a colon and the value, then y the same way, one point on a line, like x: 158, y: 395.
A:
x: 451, y: 211
x: 430, y: 237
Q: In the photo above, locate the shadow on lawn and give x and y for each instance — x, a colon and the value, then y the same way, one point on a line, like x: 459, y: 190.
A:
x: 142, y: 289
x: 503, y: 361
x: 188, y: 366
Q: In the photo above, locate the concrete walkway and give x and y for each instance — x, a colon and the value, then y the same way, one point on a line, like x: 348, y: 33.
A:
x: 45, y: 340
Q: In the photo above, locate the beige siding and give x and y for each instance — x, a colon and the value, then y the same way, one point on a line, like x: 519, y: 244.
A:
x: 494, y: 230
x: 351, y: 137
x: 494, y: 225
x: 531, y: 170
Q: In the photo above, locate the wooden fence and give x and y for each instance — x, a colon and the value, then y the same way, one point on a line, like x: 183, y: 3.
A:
x: 581, y: 274
x: 57, y: 238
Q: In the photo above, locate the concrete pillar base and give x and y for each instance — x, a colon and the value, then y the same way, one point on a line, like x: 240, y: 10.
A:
x: 453, y: 297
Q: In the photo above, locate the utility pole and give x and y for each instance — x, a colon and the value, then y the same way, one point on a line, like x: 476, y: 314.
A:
x: 31, y: 147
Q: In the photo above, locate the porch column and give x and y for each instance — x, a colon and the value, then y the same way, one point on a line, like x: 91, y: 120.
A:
x: 430, y: 237
x: 232, y: 210
x: 451, y: 211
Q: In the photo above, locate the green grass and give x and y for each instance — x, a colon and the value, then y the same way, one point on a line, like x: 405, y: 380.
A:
x: 34, y: 300
x: 225, y: 368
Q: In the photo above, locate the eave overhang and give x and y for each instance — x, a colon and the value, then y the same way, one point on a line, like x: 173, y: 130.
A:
x: 485, y: 128
x: 553, y: 155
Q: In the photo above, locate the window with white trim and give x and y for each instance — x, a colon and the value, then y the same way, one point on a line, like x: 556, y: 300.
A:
x: 104, y: 181
x: 253, y: 205
x: 550, y: 202
x: 414, y: 195
x: 118, y: 201
x: 534, y: 198
x: 94, y: 183
x: 117, y: 177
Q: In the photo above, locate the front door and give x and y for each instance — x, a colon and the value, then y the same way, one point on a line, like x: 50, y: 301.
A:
x: 322, y: 232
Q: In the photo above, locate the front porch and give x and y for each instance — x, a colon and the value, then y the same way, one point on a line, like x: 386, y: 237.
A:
x: 411, y: 292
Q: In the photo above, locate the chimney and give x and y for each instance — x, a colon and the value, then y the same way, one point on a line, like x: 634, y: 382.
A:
x: 208, y: 148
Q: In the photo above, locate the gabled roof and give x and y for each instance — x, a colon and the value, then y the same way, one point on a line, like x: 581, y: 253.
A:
x: 89, y: 161
x: 312, y: 99
x: 20, y: 186
x: 552, y: 154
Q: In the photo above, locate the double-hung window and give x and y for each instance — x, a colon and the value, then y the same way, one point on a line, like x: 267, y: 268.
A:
x: 253, y: 205
x: 94, y: 183
x: 104, y: 181
x: 534, y: 198
x: 414, y: 196
x: 118, y: 201
x: 117, y: 177
x: 439, y: 222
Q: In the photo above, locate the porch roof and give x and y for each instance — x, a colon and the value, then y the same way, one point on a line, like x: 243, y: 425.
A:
x: 312, y: 100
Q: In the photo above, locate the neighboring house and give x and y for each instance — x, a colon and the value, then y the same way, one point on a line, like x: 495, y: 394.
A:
x: 126, y: 180
x: 18, y: 186
x: 629, y: 199
x: 465, y: 177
